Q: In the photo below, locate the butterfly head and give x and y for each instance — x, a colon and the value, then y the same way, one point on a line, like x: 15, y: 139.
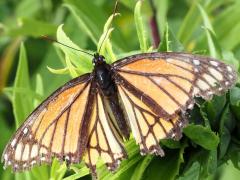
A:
x: 98, y: 59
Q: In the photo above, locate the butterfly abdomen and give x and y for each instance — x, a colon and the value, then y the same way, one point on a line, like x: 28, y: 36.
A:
x: 108, y: 87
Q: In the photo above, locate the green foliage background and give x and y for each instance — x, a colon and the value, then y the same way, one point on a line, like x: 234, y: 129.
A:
x: 31, y: 68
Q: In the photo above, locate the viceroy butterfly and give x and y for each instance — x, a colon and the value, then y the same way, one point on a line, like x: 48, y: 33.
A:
x: 91, y: 116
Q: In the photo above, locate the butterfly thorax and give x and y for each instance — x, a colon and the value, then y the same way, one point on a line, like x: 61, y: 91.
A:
x: 103, y: 75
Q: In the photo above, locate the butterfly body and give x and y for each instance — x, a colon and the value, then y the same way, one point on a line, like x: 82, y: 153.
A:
x: 107, y: 85
x: 88, y: 117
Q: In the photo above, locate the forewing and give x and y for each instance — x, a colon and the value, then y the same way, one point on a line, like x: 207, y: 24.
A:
x: 166, y: 88
x: 212, y: 76
x: 157, y: 88
x: 104, y: 141
x: 56, y: 128
x: 168, y: 82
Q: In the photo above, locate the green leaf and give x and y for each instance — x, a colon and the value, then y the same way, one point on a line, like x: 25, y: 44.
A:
x: 214, y: 47
x: 58, y: 71
x: 170, y: 42
x: 211, y: 110
x: 167, y: 167
x: 104, y: 46
x: 141, y: 31
x: 86, y: 20
x: 39, y: 89
x: 6, y: 132
x: 58, y: 170
x: 189, y: 24
x: 229, y: 58
x: 141, y: 167
x: 162, y: 11
x: 92, y: 23
x: 22, y: 102
x: 226, y: 126
x: 79, y: 59
x: 40, y: 172
x: 204, y: 115
x: 192, y: 173
x: 32, y: 27
x: 227, y: 26
x: 78, y: 173
x: 164, y: 44
x: 234, y: 154
x: 123, y: 169
x: 25, y: 91
x: 205, y: 18
x: 202, y: 136
x: 71, y: 68
x: 171, y: 144
x: 23, y: 10
x: 202, y: 162
x: 235, y: 96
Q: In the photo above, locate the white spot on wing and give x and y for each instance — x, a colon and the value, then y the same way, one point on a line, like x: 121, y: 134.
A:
x: 196, y: 62
x: 67, y: 158
x: 33, y: 162
x: 180, y: 124
x: 227, y: 83
x: 13, y: 142
x: 216, y: 73
x: 196, y: 70
x: 229, y: 68
x: 5, y: 157
x: 25, y: 130
x: 230, y: 76
x: 209, y: 79
x: 190, y: 106
x: 34, y: 151
x: 214, y: 63
x: 18, y: 151
x: 202, y: 85
x: 209, y: 93
x: 26, y: 152
x: 173, y: 135
x: 195, y: 91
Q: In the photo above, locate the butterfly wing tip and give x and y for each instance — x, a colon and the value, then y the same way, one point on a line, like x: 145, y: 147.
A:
x: 157, y: 150
x: 93, y: 170
x: 154, y: 149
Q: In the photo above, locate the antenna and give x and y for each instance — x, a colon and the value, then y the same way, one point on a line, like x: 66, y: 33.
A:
x: 54, y: 40
x: 114, y: 12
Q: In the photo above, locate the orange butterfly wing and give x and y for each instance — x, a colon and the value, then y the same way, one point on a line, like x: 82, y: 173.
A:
x: 71, y: 124
x: 58, y: 127
x: 104, y: 141
x: 157, y: 88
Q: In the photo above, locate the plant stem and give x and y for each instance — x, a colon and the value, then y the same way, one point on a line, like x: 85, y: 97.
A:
x: 154, y: 26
